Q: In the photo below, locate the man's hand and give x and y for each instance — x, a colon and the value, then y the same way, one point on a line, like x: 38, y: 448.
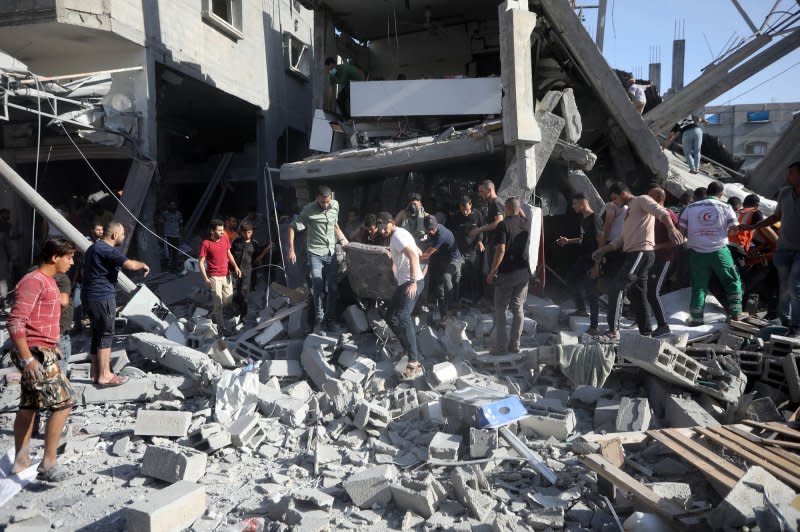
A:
x: 292, y: 257
x: 562, y: 241
x: 238, y: 272
x: 594, y: 273
x: 411, y: 289
x: 676, y: 237
x: 146, y: 270
x: 481, y: 248
x: 208, y: 282
x: 491, y: 278
x: 34, y: 371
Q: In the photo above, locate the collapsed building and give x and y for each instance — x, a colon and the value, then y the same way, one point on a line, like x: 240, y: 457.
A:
x: 275, y: 429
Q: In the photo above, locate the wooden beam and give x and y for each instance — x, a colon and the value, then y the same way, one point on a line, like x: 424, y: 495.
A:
x: 778, y: 428
x: 766, y: 441
x: 710, y: 468
x: 755, y: 448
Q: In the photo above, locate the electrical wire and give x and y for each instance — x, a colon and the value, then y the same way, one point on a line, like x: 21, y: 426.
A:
x: 762, y: 83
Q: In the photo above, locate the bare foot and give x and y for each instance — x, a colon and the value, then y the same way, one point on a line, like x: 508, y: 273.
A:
x: 21, y: 462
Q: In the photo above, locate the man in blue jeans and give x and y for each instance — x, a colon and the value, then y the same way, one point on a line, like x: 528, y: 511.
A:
x: 410, y: 284
x: 787, y: 256
x: 320, y: 220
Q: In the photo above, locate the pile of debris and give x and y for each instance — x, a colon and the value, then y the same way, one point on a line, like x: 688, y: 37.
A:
x: 277, y: 428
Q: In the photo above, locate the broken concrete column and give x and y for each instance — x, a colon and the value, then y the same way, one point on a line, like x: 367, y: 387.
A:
x: 172, y: 465
x: 175, y: 507
x: 166, y: 423
x: 220, y: 353
x: 573, y: 128
x: 176, y: 357
x: 371, y: 486
x: 315, y: 359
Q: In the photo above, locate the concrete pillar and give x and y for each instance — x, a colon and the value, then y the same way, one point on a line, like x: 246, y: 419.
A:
x: 520, y: 129
x: 770, y: 174
x: 678, y: 60
x: 654, y: 75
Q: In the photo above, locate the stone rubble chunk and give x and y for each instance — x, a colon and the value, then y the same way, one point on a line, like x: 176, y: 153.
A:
x: 633, y: 415
x: 315, y: 360
x: 177, y: 357
x: 162, y: 423
x: 273, y: 403
x: 681, y: 412
x: 745, y: 504
x: 175, y: 507
x: 210, y: 438
x: 355, y: 319
x: 360, y: 371
x: 121, y: 446
x: 172, y: 465
x: 444, y: 446
x: 419, y: 496
x: 371, y: 486
x: 280, y: 369
x: 478, y: 504
x: 482, y: 442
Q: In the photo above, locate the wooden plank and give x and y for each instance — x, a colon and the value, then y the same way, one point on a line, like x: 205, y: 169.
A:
x: 627, y: 483
x: 778, y: 428
x: 713, y: 457
x: 625, y: 438
x: 727, y: 481
x: 767, y: 441
x: 763, y: 452
x: 753, y: 458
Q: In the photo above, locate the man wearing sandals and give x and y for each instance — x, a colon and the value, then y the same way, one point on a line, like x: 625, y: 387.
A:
x: 34, y: 328
x: 101, y: 265
x: 410, y: 284
x: 637, y: 243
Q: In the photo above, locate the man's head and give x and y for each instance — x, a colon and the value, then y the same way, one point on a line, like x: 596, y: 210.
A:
x: 415, y: 200
x: 793, y: 176
x: 97, y: 231
x: 686, y: 199
x: 715, y: 189
x: 513, y: 206
x: 465, y: 205
x: 619, y: 193
x: 580, y: 203
x: 385, y: 223
x: 486, y: 189
x: 58, y: 252
x: 246, y: 231
x: 371, y: 224
x: 658, y: 195
x: 630, y: 81
x: 330, y: 63
x: 352, y: 216
x: 172, y: 206
x: 324, y: 197
x: 699, y: 194
x: 431, y: 225
x: 114, y: 233
x: 735, y: 203
x: 230, y: 223
x: 751, y: 200
x: 216, y: 229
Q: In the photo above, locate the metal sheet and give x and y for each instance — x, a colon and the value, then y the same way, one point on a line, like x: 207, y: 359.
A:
x: 426, y: 97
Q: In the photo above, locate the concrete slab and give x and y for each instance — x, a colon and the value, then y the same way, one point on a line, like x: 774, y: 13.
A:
x: 175, y: 507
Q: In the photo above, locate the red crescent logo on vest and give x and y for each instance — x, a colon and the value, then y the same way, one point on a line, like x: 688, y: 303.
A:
x: 706, y: 216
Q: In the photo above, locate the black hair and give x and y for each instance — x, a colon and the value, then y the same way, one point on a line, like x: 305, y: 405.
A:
x: 618, y: 188
x: 700, y: 193
x: 214, y: 223
x: 370, y: 220
x: 245, y: 226
x: 795, y: 165
x: 578, y: 196
x: 56, y: 247
x: 751, y: 200
x: 715, y: 188
x: 330, y: 61
x: 735, y: 202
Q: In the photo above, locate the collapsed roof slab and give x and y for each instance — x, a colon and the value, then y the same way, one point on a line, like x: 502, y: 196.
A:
x: 369, y: 162
x: 573, y: 37
x: 770, y: 174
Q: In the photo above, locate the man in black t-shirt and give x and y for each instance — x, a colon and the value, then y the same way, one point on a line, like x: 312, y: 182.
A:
x: 463, y: 222
x: 246, y: 252
x: 494, y: 215
x: 65, y: 322
x: 578, y: 278
x: 509, y: 274
x: 445, y: 262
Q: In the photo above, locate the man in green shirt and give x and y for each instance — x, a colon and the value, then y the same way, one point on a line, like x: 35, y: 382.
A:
x: 342, y: 75
x: 320, y: 221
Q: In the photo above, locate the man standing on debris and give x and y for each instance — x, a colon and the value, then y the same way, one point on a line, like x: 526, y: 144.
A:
x: 787, y: 256
x: 494, y: 216
x: 34, y: 329
x: 65, y: 321
x: 706, y: 224
x: 342, y: 75
x: 637, y: 243
x: 171, y: 221
x: 636, y: 93
x: 410, y: 284
x: 692, y: 139
x: 246, y: 252
x: 510, y: 275
x: 320, y: 221
x: 579, y: 278
x: 664, y: 257
x: 471, y: 248
x: 445, y: 263
x: 215, y: 259
x: 101, y: 265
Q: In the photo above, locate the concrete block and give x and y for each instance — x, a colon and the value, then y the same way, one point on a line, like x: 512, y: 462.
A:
x: 177, y: 357
x: 273, y: 331
x: 121, y: 446
x: 282, y: 369
x: 315, y: 361
x: 343, y: 396
x: 296, y: 324
x: 510, y: 365
x: 751, y: 362
x: 478, y: 504
x: 220, y: 353
x: 545, y: 315
x: 444, y: 446
x: 660, y: 358
x: 133, y: 391
x: 773, y: 371
x: 443, y: 375
x: 746, y: 504
x: 371, y: 486
x: 546, y: 421
x: 172, y: 465
x: 633, y: 415
x: 164, y: 423
x: 360, y: 371
x: 482, y: 442
x: 299, y: 390
x: 763, y: 410
x: 355, y: 319
x: 369, y: 270
x: 373, y: 415
x: 791, y: 371
x: 680, y: 492
x: 682, y: 413
x: 573, y: 128
x: 210, y: 438
x: 605, y: 415
x: 247, y: 432
x: 175, y: 507
x: 273, y: 403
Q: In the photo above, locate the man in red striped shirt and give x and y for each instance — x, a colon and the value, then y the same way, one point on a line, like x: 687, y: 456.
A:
x: 33, y: 326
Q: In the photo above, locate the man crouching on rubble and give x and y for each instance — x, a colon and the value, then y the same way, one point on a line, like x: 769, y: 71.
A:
x: 33, y: 326
x: 410, y: 284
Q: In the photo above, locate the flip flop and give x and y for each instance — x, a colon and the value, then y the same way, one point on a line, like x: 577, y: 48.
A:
x: 57, y: 473
x: 116, y: 381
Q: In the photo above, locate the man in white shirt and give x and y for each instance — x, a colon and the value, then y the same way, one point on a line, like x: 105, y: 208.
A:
x: 410, y: 284
x: 706, y: 224
x: 637, y: 95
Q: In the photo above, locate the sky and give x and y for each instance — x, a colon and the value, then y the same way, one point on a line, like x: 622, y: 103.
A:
x: 635, y: 27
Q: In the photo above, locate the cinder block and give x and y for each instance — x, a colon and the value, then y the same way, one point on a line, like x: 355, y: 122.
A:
x: 444, y: 446
x: 420, y: 497
x: 273, y: 403
x: 210, y: 438
x: 661, y: 359
x: 605, y: 415
x: 360, y: 371
x: 372, y: 414
x: 684, y: 413
x: 547, y: 421
x: 773, y: 372
x: 175, y: 507
x: 164, y: 423
x: 633, y: 415
x: 315, y: 362
x: 791, y: 371
x: 371, y: 486
x: 248, y: 432
x: 355, y: 319
x: 750, y: 362
x: 172, y: 465
x: 281, y: 369
x: 273, y: 331
x: 482, y: 442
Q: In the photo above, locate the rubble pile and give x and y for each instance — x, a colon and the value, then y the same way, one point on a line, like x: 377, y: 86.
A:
x: 277, y: 429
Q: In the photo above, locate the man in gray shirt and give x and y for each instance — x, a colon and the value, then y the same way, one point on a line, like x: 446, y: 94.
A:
x: 787, y: 256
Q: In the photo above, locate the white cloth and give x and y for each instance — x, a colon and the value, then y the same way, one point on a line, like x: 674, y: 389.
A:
x: 616, y: 226
x: 402, y: 239
x: 707, y: 223
x: 637, y: 93
x: 10, y: 484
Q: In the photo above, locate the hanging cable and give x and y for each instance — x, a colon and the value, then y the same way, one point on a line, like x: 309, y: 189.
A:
x: 762, y: 83
x: 36, y: 168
